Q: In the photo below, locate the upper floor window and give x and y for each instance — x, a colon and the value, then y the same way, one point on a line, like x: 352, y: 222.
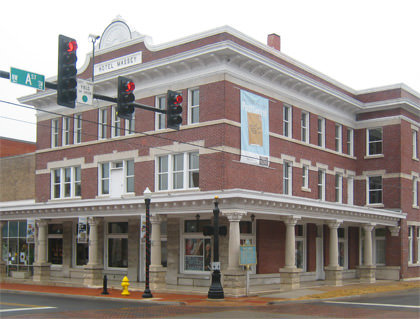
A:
x: 194, y: 106
x: 287, y: 178
x: 415, y: 192
x: 287, y: 120
x: 55, y: 127
x: 374, y: 141
x: 103, y: 123
x: 116, y: 178
x: 321, y: 184
x: 321, y: 132
x: 66, y: 131
x: 304, y: 124
x: 177, y: 171
x: 77, y: 129
x: 415, y: 144
x: 66, y: 182
x: 338, y: 138
x: 305, y: 176
x: 338, y: 188
x: 350, y: 139
x: 130, y: 125
x: 160, y: 117
x: 116, y: 123
x: 374, y: 190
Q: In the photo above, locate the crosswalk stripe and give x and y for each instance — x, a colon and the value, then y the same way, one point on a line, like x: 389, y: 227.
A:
x: 26, y: 309
x: 372, y: 304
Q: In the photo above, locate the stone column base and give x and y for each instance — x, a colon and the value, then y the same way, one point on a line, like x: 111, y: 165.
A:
x: 334, y: 275
x: 290, y: 278
x: 367, y: 274
x: 93, y: 276
x: 234, y: 283
x: 41, y: 271
x: 157, y: 277
x: 3, y: 270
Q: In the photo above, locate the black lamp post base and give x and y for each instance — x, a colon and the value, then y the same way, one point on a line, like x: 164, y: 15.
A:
x: 147, y: 293
x: 216, y: 289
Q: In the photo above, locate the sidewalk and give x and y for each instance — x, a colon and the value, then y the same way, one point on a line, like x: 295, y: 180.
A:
x: 315, y: 293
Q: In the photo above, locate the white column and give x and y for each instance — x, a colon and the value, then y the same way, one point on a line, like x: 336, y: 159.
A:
x: 333, y: 225
x: 42, y: 242
x: 234, y: 238
x: 368, y: 245
x: 290, y: 253
x: 93, y: 241
x: 156, y: 251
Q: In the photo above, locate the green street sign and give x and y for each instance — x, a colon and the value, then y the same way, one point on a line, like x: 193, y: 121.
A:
x: 27, y: 78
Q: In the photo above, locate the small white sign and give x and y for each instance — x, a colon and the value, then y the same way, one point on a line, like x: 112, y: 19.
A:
x: 84, y: 92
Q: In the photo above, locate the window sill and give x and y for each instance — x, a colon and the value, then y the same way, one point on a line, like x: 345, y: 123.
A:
x: 374, y: 156
x: 65, y: 199
x: 304, y: 189
x: 380, y: 205
x: 415, y: 159
x: 415, y: 206
x: 413, y: 265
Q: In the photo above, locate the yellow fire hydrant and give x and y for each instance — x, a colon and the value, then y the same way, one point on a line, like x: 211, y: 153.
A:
x: 125, y: 283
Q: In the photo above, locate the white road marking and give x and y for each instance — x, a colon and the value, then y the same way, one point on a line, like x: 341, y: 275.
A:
x: 372, y: 304
x: 26, y: 309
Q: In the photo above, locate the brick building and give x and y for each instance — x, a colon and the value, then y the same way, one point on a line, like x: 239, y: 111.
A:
x: 322, y: 179
x: 17, y: 188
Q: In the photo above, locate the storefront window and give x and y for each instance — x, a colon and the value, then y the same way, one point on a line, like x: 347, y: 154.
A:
x: 17, y: 253
x: 197, y: 254
x: 299, y: 255
x: 55, y: 244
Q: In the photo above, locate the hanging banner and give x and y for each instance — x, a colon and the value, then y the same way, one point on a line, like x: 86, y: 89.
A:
x: 82, y: 236
x: 255, y: 147
x: 143, y: 227
x: 30, y: 231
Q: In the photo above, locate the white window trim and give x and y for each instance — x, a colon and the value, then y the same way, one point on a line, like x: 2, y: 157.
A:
x: 338, y: 188
x: 66, y: 131
x: 338, y: 138
x: 130, y: 125
x: 350, y: 190
x: 368, y: 141
x: 62, y: 183
x: 110, y: 167
x: 322, y: 184
x: 411, y: 231
x: 305, y: 178
x: 287, y: 109
x: 350, y: 141
x: 77, y: 128
x: 102, y: 123
x: 186, y: 171
x: 305, y: 127
x: 116, y: 123
x: 415, y: 134
x: 55, y: 132
x: 158, y: 115
x: 368, y: 191
x: 415, y: 192
x: 287, y: 180
x: 321, y: 131
x: 191, y: 107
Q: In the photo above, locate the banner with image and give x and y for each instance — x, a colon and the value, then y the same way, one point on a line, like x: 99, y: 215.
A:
x: 82, y: 235
x: 30, y: 231
x: 255, y: 146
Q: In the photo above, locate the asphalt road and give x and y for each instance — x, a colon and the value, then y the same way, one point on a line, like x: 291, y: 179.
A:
x: 400, y: 304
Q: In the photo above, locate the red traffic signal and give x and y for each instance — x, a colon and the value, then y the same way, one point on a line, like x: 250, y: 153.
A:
x: 125, y: 96
x: 67, y: 72
x: 173, y: 110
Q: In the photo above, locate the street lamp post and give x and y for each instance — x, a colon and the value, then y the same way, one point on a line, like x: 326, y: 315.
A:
x: 216, y: 289
x: 147, y: 198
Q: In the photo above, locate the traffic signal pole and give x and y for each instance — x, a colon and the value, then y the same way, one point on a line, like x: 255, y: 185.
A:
x: 53, y: 86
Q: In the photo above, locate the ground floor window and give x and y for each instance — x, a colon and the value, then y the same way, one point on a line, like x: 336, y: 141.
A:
x: 342, y: 247
x: 81, y: 248
x: 380, y: 246
x: 300, y: 247
x: 18, y: 254
x: 197, y: 254
x: 117, y: 242
x: 55, y: 244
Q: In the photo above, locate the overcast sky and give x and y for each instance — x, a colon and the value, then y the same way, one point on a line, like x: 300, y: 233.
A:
x: 360, y: 43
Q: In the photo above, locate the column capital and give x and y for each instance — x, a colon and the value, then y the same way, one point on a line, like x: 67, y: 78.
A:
x: 368, y: 227
x: 395, y: 230
x: 291, y: 220
x: 42, y: 222
x: 234, y: 215
x: 156, y: 219
x: 93, y: 221
x: 334, y: 223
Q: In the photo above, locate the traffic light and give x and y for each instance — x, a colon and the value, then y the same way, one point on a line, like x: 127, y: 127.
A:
x: 67, y: 71
x: 125, y: 97
x: 173, y: 110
